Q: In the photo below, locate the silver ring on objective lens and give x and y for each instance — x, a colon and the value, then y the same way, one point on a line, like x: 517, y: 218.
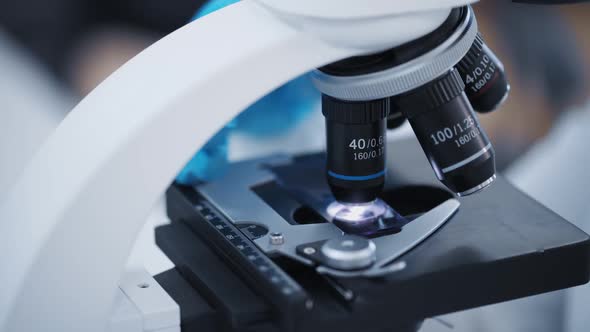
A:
x: 477, y: 188
x: 405, y: 77
x: 467, y: 160
x: 349, y: 252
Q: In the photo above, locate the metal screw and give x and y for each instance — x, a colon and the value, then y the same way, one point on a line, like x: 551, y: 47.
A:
x: 277, y: 239
x: 308, y: 250
x: 348, y: 243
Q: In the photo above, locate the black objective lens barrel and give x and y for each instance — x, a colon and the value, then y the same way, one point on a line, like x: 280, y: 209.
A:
x: 355, y: 148
x: 450, y: 134
x: 486, y: 84
x: 395, y: 119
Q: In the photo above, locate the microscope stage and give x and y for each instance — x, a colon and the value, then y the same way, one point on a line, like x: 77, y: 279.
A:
x: 239, y: 252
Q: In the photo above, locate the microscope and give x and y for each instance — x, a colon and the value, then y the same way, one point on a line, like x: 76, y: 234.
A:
x: 367, y: 236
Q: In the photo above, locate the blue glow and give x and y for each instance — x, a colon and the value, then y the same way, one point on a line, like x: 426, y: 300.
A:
x: 356, y: 178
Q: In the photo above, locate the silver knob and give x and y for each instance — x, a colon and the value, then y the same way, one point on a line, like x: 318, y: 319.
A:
x: 349, y: 252
x: 277, y: 239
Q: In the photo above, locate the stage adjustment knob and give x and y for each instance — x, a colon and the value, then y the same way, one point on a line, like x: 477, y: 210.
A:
x: 349, y: 252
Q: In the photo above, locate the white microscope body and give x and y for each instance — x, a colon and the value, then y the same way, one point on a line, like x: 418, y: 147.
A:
x: 70, y: 221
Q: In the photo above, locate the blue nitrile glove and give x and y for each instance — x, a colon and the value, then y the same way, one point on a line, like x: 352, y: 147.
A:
x: 272, y: 115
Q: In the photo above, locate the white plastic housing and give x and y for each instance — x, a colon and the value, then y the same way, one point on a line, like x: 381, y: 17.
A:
x: 69, y: 222
x: 356, y: 9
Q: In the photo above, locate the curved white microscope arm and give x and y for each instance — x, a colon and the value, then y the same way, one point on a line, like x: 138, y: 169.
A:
x: 69, y: 223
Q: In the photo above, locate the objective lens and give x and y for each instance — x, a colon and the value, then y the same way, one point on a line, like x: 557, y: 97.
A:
x: 355, y: 133
x: 450, y: 134
x: 486, y: 84
x: 395, y: 120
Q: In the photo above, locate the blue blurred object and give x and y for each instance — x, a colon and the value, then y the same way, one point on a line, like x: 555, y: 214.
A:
x: 211, y: 6
x: 281, y: 110
x: 209, y: 162
x: 273, y: 115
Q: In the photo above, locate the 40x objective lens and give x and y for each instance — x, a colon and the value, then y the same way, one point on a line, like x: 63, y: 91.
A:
x: 355, y: 133
x: 450, y: 134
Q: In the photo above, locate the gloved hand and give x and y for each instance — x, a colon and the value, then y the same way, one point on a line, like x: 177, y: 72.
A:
x: 276, y: 113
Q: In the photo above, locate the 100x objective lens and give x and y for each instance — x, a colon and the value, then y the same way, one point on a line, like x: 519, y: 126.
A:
x: 450, y: 134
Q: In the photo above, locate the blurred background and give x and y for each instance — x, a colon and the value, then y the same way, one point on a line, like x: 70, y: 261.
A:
x: 52, y: 53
